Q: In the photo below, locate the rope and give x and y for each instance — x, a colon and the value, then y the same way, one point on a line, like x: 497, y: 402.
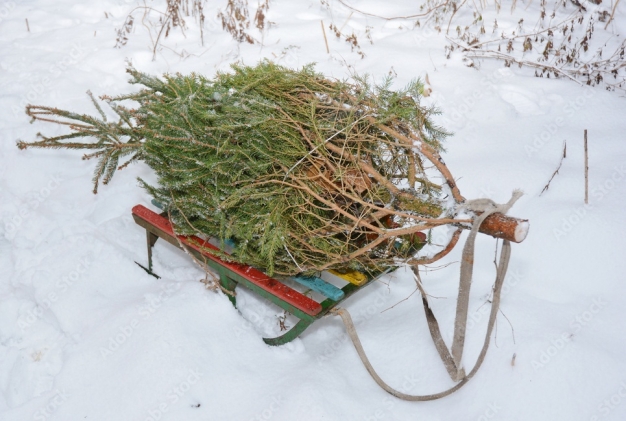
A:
x: 452, y: 360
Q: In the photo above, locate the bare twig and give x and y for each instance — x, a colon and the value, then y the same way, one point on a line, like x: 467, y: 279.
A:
x: 471, y: 52
x: 281, y: 321
x: 426, y: 13
x: 402, y: 300
x: 547, y: 186
x: 346, y: 22
x: 442, y: 253
x: 172, y: 17
x: 563, y: 39
x: 586, y: 171
x: 495, y: 255
x: 510, y: 324
x: 325, y: 39
x: 612, y: 14
x: 454, y: 10
x: 418, y: 287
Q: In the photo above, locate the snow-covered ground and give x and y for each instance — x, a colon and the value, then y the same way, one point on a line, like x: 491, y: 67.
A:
x: 87, y: 334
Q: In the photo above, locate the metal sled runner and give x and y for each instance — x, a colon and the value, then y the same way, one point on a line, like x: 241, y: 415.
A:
x: 232, y: 274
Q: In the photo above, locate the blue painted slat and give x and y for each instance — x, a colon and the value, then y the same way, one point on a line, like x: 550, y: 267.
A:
x: 157, y: 204
x: 230, y: 243
x: 321, y: 286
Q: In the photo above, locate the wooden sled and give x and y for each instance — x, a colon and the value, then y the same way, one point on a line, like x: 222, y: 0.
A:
x: 306, y: 309
x: 232, y: 274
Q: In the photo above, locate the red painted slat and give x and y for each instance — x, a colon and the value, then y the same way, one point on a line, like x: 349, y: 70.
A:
x: 255, y: 276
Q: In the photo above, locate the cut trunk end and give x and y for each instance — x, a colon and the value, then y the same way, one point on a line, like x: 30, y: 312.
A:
x: 506, y: 227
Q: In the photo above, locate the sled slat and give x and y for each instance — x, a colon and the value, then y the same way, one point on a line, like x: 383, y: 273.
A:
x: 353, y: 276
x: 321, y: 286
x: 254, y: 276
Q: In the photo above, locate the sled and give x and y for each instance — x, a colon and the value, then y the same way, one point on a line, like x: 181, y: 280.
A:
x: 297, y: 303
x: 231, y: 274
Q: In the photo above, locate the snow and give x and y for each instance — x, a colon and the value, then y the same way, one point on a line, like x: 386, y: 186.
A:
x: 86, y: 334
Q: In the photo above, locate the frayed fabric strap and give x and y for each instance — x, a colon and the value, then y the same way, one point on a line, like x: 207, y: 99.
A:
x: 452, y: 360
x: 487, y: 207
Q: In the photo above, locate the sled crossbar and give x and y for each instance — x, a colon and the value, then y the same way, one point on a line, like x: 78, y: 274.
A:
x: 320, y: 286
x: 232, y: 274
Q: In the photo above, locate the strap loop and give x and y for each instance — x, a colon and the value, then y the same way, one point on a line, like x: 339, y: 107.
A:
x: 451, y: 360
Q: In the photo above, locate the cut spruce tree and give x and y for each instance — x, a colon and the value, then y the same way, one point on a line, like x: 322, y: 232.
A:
x: 302, y: 172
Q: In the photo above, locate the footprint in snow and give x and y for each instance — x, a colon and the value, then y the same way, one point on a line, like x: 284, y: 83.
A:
x: 525, y: 102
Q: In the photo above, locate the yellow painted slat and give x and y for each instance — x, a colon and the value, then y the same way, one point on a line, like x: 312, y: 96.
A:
x: 353, y: 276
